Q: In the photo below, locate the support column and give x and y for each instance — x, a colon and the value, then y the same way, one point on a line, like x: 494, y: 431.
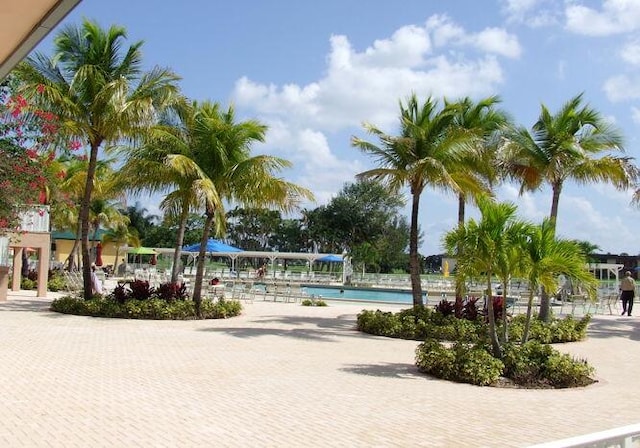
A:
x: 17, y: 265
x: 4, y: 283
x: 43, y: 269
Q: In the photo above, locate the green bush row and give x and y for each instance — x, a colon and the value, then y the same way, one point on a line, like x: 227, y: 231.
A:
x: 146, y: 309
x: 310, y: 302
x: 55, y: 283
x: 421, y: 324
x: 529, y: 365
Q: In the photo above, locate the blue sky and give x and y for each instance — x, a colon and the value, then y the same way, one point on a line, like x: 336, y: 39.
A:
x: 315, y: 71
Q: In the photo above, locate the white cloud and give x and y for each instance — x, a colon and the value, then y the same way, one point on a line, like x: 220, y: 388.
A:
x: 631, y: 53
x: 366, y: 86
x: 635, y: 115
x: 622, y: 87
x: 310, y: 124
x: 490, y: 40
x: 616, y: 17
x: 533, y: 13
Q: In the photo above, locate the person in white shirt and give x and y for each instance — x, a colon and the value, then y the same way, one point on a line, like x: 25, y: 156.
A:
x: 96, y: 283
x: 627, y: 293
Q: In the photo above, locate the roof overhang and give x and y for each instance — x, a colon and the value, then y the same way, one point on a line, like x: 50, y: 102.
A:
x: 24, y: 23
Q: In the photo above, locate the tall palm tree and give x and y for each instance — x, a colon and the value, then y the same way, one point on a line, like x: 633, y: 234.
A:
x: 166, y: 163
x: 101, y: 95
x: 488, y: 244
x: 483, y: 121
x: 223, y: 154
x: 546, y: 257
x: 204, y: 158
x: 575, y: 144
x: 425, y: 154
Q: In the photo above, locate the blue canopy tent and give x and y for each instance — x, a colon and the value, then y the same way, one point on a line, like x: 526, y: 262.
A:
x: 331, y: 259
x: 216, y: 246
x: 213, y: 245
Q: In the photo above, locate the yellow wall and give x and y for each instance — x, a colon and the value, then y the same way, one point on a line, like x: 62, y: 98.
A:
x: 63, y: 249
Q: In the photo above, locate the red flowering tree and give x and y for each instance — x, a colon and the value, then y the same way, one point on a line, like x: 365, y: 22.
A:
x: 24, y: 155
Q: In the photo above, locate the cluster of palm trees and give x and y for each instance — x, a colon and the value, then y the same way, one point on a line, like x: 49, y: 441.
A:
x: 195, y: 152
x: 199, y: 155
x: 468, y: 148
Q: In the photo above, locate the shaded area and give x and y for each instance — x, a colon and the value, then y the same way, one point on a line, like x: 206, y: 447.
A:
x: 304, y: 327
x: 616, y: 327
x: 341, y: 322
x: 388, y: 370
x: 25, y: 305
x: 298, y: 333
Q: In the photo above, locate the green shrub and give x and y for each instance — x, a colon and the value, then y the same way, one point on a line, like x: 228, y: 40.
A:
x: 379, y: 323
x: 153, y: 308
x: 435, y: 359
x: 562, y: 370
x: 475, y: 365
x: 313, y: 302
x: 539, y: 365
x: 28, y: 284
x: 556, y: 330
x: 419, y: 324
x: 524, y: 364
x: 462, y: 362
x: 56, y: 283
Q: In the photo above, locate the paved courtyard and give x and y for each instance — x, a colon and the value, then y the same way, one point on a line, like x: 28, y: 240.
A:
x: 280, y: 375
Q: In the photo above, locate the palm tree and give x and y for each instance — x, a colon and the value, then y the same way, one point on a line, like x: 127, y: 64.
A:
x: 101, y: 96
x: 204, y: 156
x: 572, y: 144
x: 546, y: 257
x: 479, y: 169
x: 488, y: 246
x: 425, y: 154
x: 222, y: 153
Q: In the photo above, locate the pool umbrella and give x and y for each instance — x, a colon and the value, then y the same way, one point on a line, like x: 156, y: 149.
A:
x: 99, y: 254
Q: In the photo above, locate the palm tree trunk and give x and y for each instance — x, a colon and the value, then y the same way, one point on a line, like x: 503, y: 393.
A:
x: 72, y: 255
x: 505, y: 328
x: 197, y: 287
x: 527, y: 324
x: 414, y: 263
x: 115, y: 263
x: 459, y: 279
x: 84, y: 221
x: 179, y: 241
x: 545, y: 301
x: 493, y: 335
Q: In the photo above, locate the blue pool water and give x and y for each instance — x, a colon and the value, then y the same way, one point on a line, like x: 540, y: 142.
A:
x: 361, y: 294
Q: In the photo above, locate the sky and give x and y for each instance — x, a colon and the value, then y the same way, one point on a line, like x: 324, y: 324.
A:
x: 314, y: 72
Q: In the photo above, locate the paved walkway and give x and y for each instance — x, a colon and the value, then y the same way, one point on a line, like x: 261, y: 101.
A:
x: 280, y: 375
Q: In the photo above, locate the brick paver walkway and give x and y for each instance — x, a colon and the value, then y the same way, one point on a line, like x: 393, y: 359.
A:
x: 280, y: 375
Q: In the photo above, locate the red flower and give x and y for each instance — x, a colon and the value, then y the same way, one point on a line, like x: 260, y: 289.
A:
x: 75, y: 145
x: 40, y: 88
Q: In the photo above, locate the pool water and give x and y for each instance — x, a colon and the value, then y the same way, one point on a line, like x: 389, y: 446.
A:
x: 348, y: 293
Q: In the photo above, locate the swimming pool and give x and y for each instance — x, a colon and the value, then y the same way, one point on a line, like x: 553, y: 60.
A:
x: 350, y: 293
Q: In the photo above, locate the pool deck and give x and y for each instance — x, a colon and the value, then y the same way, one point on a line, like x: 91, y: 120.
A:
x: 280, y: 375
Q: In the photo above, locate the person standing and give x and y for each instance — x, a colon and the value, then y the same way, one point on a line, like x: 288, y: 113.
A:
x: 628, y: 292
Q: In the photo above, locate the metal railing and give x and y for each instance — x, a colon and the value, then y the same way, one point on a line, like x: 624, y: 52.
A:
x: 623, y: 437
